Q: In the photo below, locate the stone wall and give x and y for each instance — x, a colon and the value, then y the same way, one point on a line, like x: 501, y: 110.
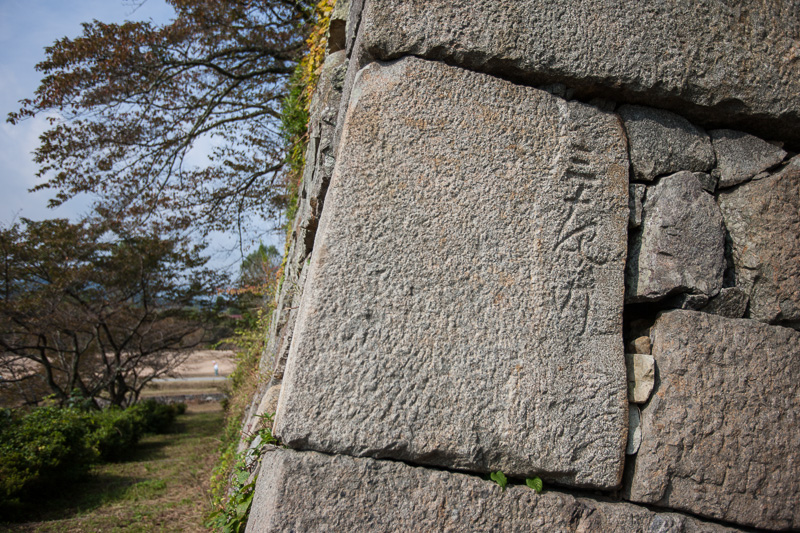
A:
x: 553, y: 240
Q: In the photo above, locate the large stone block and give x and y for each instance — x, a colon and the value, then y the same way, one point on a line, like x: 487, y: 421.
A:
x: 720, y: 435
x: 308, y: 491
x: 464, y: 301
x: 681, y: 245
x: 713, y: 59
x: 763, y: 221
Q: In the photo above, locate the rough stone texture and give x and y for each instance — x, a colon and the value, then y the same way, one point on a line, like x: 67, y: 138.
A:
x: 741, y: 156
x: 320, y: 160
x: 317, y: 173
x: 641, y: 376
x: 269, y: 402
x: 464, y: 303
x: 635, y: 204
x: 355, y: 10
x: 312, y: 492
x: 640, y: 344
x: 720, y: 435
x: 763, y: 221
x: 713, y: 59
x: 684, y: 300
x: 708, y: 181
x: 634, y: 430
x: 731, y: 302
x: 663, y: 143
x: 337, y: 29
x: 316, y: 177
x: 681, y: 245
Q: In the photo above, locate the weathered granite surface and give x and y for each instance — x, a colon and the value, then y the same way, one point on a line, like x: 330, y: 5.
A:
x: 636, y: 203
x: 720, y: 435
x: 308, y: 491
x: 731, y: 302
x: 664, y: 143
x: 464, y: 302
x: 634, y: 430
x: 641, y: 376
x: 741, y: 156
x: 710, y: 59
x: 709, y: 181
x: 681, y: 245
x: 763, y: 221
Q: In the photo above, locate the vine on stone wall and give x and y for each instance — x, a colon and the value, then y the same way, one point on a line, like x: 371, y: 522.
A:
x: 295, y: 111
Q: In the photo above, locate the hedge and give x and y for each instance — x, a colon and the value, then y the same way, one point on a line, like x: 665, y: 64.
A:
x: 48, y: 445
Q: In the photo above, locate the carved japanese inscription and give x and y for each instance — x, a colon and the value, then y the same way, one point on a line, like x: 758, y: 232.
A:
x: 464, y: 302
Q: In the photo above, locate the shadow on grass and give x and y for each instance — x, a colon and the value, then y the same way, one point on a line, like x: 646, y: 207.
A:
x: 79, y: 496
x: 141, y: 476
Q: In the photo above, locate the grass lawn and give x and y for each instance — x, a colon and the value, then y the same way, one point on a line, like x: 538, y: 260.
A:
x: 162, y: 486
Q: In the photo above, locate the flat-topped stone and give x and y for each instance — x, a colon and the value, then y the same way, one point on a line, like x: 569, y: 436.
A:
x: 664, y: 143
x: 720, y: 435
x: 308, y: 491
x: 735, y: 62
x: 641, y: 376
x: 464, y: 302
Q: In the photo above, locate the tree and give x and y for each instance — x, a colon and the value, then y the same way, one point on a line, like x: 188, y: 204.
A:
x: 128, y: 102
x: 259, y: 268
x: 90, y: 309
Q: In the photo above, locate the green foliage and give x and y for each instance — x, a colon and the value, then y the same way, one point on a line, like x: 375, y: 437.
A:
x: 85, y: 307
x: 499, y: 478
x: 133, y: 99
x: 49, y: 444
x: 535, y: 483
x: 157, y: 417
x: 294, y: 123
x: 114, y: 431
x: 226, y: 495
x: 294, y: 131
x: 232, y: 511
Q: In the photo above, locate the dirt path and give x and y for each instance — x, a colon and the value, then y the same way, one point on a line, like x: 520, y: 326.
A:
x: 201, y: 364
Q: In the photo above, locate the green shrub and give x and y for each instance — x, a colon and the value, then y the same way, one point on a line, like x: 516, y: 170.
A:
x: 45, y: 445
x: 114, y: 432
x: 40, y: 447
x: 156, y: 417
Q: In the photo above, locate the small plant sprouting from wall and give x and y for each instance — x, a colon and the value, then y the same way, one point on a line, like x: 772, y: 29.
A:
x: 534, y: 483
x: 232, y: 511
x: 499, y: 478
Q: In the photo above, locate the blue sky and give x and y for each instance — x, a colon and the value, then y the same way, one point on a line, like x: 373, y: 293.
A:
x: 26, y: 27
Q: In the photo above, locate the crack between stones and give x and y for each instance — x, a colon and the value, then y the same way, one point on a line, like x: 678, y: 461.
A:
x: 618, y: 97
x: 598, y: 496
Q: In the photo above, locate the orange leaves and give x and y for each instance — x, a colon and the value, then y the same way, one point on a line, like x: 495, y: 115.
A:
x: 317, y: 41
